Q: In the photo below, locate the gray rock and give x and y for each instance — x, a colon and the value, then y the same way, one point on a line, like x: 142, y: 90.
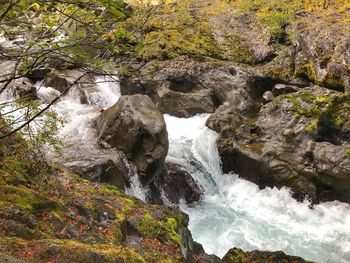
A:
x: 78, y: 85
x: 238, y: 255
x: 280, y: 89
x: 299, y: 140
x: 184, y: 87
x: 322, y: 53
x: 267, y: 97
x: 135, y: 127
x: 21, y: 87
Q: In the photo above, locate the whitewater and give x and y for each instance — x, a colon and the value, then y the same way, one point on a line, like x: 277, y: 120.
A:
x: 232, y: 212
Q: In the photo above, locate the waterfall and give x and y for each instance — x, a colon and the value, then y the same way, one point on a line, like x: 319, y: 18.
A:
x: 236, y: 213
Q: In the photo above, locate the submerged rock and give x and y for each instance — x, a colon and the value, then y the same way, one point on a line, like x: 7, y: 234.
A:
x: 78, y: 84
x: 236, y: 255
x: 135, y: 127
x: 21, y: 87
x: 174, y: 184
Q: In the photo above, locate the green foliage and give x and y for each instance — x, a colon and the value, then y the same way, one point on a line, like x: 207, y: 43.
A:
x: 69, y: 33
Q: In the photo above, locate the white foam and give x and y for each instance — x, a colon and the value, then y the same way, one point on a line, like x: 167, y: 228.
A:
x: 235, y: 213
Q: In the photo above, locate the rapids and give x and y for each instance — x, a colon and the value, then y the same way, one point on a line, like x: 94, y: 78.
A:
x: 233, y: 212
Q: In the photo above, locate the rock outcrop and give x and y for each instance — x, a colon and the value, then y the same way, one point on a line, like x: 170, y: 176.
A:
x: 238, y: 255
x: 21, y: 87
x: 77, y: 84
x: 184, y: 87
x: 135, y: 127
x: 323, y: 49
x: 174, y: 184
x: 299, y: 140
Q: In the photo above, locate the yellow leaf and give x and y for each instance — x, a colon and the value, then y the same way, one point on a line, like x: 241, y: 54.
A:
x: 35, y: 6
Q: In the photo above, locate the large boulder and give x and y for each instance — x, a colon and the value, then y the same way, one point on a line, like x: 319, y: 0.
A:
x: 238, y: 255
x: 299, y: 140
x: 174, y: 184
x: 135, y: 127
x: 94, y: 164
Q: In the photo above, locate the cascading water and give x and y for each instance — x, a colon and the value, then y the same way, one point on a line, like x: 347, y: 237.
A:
x: 235, y: 213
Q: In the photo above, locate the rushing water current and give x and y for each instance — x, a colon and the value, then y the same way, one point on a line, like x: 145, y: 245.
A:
x: 233, y: 212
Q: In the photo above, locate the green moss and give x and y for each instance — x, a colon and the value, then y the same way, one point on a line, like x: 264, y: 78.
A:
x: 172, y: 229
x: 348, y: 153
x: 172, y: 43
x: 26, y: 198
x: 273, y: 14
x: 128, y: 201
x: 336, y: 115
x: 70, y: 251
x: 148, y: 226
x: 58, y: 215
x: 333, y: 81
x: 330, y: 81
x: 109, y: 189
x: 238, y: 51
x: 313, y: 125
x: 307, y: 104
x: 127, y: 71
x: 152, y: 228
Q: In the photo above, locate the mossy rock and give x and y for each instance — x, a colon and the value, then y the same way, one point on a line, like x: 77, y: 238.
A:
x: 238, y: 255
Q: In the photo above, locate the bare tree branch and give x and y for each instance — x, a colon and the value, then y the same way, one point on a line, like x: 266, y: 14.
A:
x: 8, y: 9
x: 44, y: 109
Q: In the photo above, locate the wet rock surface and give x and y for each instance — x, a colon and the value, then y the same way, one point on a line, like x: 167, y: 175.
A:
x: 296, y: 141
x: 77, y: 84
x: 135, y: 127
x: 276, y: 129
x: 174, y: 184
